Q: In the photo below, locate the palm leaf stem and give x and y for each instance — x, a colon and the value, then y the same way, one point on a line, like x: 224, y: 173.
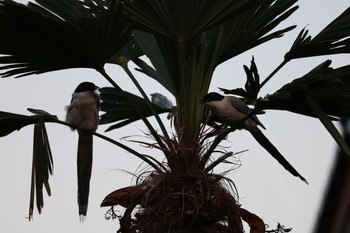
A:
x: 221, y: 159
x: 181, y: 104
x: 322, y: 116
x: 143, y: 157
x: 138, y: 111
x: 144, y: 95
x: 218, y: 161
x: 148, y: 159
x: 285, y: 61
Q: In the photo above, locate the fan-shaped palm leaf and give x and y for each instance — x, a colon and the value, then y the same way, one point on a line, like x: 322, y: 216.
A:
x: 185, y: 68
x: 242, y: 32
x: 130, y: 51
x: 37, y: 40
x: 324, y: 92
x: 252, y: 85
x: 118, y: 109
x: 182, y: 19
x: 156, y: 53
x: 329, y: 87
x: 10, y: 122
x: 333, y: 39
x: 71, y: 10
x: 253, y: 27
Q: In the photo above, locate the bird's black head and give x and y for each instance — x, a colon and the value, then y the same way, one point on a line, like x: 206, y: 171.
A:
x: 86, y: 86
x: 212, y: 96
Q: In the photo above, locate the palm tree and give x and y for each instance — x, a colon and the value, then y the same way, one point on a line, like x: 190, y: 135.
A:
x: 185, y: 41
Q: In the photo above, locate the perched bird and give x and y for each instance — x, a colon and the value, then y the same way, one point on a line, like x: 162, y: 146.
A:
x: 230, y: 110
x: 162, y: 102
x: 83, y: 114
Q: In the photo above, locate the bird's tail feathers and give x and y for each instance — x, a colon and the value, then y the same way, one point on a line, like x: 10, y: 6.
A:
x: 84, y: 164
x: 82, y: 218
x: 264, y: 142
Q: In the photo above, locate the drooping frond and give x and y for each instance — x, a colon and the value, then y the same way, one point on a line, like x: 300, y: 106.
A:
x: 42, y: 167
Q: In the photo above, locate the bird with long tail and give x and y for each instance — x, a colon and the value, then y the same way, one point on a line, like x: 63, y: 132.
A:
x: 231, y: 110
x: 82, y: 113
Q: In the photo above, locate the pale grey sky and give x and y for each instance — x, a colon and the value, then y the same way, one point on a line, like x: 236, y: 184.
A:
x: 265, y: 188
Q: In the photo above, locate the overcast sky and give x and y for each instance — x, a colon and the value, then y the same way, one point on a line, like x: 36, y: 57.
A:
x: 265, y: 188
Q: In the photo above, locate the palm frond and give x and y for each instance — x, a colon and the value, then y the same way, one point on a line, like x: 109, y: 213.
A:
x: 324, y: 93
x: 10, y: 122
x: 36, y: 40
x: 42, y: 164
x: 118, y: 109
x: 329, y: 125
x: 252, y: 85
x: 181, y: 20
x: 329, y: 87
x: 165, y: 67
x: 131, y: 51
x: 71, y: 10
x: 242, y: 32
x: 253, y: 27
x: 38, y: 111
x: 42, y: 167
x: 333, y: 39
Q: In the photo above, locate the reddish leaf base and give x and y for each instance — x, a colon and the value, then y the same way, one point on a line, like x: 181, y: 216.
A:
x: 196, y: 203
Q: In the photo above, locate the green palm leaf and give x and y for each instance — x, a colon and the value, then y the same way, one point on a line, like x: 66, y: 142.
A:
x: 42, y: 167
x: 156, y: 52
x: 185, y: 65
x: 333, y: 39
x: 329, y: 125
x: 251, y: 87
x: 324, y: 93
x: 36, y: 40
x: 241, y: 33
x: 71, y: 10
x: 42, y: 164
x: 183, y: 19
x: 118, y: 109
x: 10, y: 122
x: 253, y: 27
x: 131, y: 51
x: 329, y: 87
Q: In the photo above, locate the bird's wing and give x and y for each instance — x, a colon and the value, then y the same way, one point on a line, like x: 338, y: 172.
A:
x: 240, y: 106
x: 243, y: 108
